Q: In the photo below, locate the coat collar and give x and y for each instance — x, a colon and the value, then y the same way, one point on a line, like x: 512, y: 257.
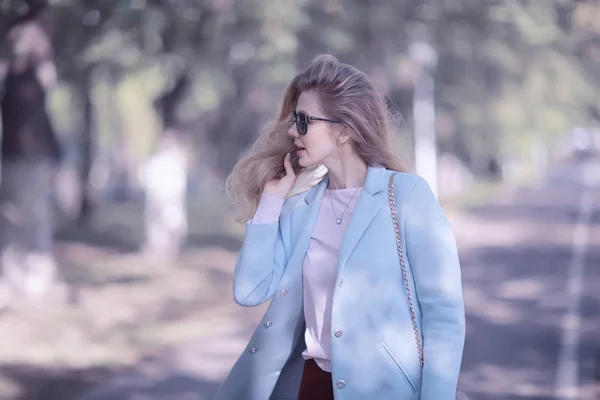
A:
x: 374, y: 183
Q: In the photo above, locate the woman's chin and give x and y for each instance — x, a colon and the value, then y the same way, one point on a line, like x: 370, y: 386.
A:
x: 304, y: 163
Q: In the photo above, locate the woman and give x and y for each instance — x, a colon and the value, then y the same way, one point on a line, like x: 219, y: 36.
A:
x: 339, y: 324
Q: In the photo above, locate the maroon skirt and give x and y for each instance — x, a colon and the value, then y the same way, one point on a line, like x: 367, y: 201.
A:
x: 316, y: 383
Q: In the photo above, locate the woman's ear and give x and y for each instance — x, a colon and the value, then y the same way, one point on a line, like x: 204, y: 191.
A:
x: 343, y: 137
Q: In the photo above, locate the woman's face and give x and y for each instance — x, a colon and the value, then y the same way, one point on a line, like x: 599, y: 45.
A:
x: 319, y: 145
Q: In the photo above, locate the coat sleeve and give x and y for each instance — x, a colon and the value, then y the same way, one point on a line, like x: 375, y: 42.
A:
x: 261, y: 260
x: 433, y: 256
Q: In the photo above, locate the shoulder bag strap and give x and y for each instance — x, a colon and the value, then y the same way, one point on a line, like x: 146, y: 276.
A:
x: 402, y: 264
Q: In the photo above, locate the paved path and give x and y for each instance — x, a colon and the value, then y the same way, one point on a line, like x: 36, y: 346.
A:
x: 533, y: 291
x: 531, y: 272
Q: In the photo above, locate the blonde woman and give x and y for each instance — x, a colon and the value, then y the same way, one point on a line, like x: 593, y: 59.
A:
x: 361, y: 269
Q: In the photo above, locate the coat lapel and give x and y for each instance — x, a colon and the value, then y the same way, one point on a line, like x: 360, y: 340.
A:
x: 367, y: 208
x: 304, y: 217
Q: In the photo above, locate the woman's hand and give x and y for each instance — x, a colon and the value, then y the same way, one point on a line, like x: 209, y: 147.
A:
x: 281, y: 187
x: 307, y: 178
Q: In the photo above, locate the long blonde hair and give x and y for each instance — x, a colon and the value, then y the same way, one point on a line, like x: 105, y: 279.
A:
x: 344, y: 94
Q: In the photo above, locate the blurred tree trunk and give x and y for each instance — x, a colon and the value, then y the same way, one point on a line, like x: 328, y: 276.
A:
x: 30, y: 152
x: 165, y: 183
x: 165, y: 178
x: 87, y: 204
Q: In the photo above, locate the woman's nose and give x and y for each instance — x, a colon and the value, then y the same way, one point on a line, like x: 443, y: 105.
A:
x: 293, y: 132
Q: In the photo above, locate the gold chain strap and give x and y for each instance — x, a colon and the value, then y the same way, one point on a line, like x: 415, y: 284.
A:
x: 401, y: 255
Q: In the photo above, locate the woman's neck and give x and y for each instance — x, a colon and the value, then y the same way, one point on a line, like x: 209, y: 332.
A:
x: 348, y: 174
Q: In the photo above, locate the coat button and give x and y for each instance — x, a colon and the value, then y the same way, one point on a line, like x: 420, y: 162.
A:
x: 284, y: 292
x: 268, y: 324
x: 340, y: 384
x: 253, y: 350
x: 341, y: 283
x: 338, y: 333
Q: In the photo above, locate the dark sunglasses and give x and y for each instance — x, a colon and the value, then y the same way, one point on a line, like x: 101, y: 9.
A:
x: 301, y: 120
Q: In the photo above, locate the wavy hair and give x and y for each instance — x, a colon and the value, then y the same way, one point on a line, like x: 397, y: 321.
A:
x: 345, y: 94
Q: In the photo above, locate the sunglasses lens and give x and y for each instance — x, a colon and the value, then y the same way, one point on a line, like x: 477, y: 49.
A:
x: 302, y: 127
x: 301, y: 122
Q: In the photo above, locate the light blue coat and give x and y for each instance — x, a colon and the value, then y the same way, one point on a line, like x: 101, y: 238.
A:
x: 375, y: 357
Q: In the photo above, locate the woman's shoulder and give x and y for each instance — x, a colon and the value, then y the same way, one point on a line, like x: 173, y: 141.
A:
x: 404, y: 180
x: 409, y: 186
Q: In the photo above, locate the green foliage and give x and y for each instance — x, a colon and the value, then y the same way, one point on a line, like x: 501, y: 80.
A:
x: 509, y: 73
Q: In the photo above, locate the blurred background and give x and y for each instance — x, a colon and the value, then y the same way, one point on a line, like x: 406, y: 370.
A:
x: 122, y: 118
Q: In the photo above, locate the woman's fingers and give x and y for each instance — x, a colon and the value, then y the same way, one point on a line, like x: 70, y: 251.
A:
x: 287, y: 163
